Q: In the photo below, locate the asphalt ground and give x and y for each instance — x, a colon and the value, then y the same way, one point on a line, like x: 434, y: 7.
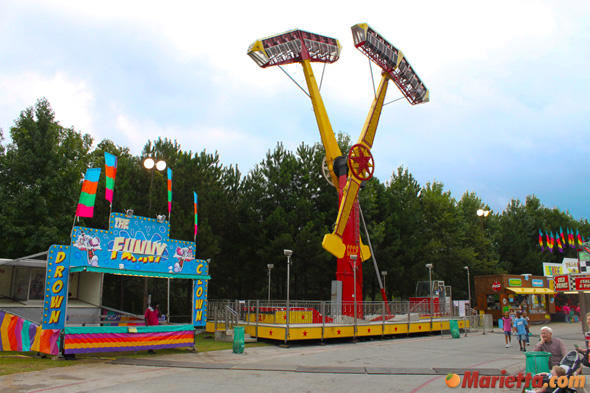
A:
x: 402, y: 364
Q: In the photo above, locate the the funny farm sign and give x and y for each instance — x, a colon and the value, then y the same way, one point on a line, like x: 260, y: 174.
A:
x: 132, y: 245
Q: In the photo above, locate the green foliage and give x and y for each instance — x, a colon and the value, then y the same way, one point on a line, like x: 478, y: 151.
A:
x: 40, y: 173
x: 245, y: 222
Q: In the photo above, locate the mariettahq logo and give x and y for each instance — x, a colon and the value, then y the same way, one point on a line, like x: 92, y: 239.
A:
x: 474, y: 380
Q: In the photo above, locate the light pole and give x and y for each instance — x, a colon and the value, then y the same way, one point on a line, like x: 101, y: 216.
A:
x: 269, y: 266
x: 384, y: 274
x: 482, y: 213
x: 468, y: 287
x: 288, y: 253
x: 151, y: 166
x: 429, y: 266
x: 353, y: 258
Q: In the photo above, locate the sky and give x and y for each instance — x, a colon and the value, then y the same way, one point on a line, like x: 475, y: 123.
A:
x: 507, y: 82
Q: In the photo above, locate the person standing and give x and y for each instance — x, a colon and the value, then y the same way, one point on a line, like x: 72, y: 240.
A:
x: 586, y: 351
x: 553, y: 345
x: 152, y: 318
x: 528, y: 324
x: 507, y: 325
x: 566, y: 311
x: 520, y: 330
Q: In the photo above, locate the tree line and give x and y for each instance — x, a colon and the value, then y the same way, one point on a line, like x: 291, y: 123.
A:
x: 246, y: 220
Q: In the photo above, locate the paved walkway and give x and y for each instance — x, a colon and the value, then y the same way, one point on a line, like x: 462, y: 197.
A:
x: 409, y: 364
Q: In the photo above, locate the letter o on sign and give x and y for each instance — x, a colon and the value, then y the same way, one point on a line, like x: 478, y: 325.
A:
x: 57, y: 286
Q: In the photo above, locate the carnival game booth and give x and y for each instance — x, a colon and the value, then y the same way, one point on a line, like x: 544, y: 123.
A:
x: 132, y: 246
x: 510, y: 292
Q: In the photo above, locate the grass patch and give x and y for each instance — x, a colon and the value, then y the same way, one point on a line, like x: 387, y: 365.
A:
x: 20, y: 362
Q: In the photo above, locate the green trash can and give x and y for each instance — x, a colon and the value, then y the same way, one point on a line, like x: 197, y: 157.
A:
x: 537, y: 362
x: 454, y: 326
x: 239, y: 339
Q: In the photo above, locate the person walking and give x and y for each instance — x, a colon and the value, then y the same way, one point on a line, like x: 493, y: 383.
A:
x: 507, y: 326
x: 152, y: 318
x: 520, y: 331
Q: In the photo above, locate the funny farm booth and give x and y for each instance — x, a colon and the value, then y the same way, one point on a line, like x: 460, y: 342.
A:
x: 71, y: 316
x: 510, y: 292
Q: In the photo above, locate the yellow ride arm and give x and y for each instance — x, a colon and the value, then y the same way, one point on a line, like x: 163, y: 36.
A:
x: 367, y: 136
x: 326, y: 132
x: 333, y: 241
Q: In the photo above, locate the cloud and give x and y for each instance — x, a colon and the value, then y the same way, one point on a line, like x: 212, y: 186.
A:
x: 70, y: 98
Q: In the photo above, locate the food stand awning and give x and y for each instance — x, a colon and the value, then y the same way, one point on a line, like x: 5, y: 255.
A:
x: 531, y: 291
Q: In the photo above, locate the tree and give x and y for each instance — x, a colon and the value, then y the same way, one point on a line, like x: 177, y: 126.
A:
x: 40, y: 181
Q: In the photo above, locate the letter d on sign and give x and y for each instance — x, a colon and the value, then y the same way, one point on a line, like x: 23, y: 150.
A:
x: 60, y: 257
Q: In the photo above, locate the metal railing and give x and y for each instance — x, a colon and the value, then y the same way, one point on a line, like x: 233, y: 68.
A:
x: 254, y: 312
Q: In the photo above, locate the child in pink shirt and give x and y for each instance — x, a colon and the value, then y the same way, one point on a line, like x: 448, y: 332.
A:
x: 507, y: 322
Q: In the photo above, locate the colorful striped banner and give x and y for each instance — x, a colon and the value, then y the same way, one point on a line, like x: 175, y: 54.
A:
x: 110, y: 164
x: 559, y: 246
x: 169, y: 192
x: 196, y: 215
x: 18, y: 334
x: 115, y: 339
x: 88, y: 195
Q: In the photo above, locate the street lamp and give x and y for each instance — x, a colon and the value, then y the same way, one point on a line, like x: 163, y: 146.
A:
x: 482, y: 213
x: 384, y: 274
x: 269, y: 266
x: 151, y: 166
x: 288, y: 253
x: 468, y: 287
x: 353, y: 258
x: 429, y: 266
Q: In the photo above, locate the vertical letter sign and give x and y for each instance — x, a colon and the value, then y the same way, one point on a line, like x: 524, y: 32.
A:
x: 200, y: 296
x: 56, y: 287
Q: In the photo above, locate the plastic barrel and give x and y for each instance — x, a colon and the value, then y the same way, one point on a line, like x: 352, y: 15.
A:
x: 500, y: 323
x: 239, y: 339
x: 454, y: 326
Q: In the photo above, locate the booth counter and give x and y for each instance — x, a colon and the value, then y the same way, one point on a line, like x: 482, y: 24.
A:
x: 497, y: 294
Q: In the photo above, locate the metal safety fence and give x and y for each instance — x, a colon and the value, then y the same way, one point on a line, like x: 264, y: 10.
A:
x: 229, y: 313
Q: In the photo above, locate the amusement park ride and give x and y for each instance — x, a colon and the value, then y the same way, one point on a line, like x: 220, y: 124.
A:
x: 346, y: 173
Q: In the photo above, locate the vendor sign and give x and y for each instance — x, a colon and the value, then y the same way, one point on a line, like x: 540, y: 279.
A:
x: 553, y: 269
x: 582, y: 283
x: 561, y: 283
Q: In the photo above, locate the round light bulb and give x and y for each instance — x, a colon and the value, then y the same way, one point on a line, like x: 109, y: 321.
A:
x: 161, y: 165
x: 148, y: 163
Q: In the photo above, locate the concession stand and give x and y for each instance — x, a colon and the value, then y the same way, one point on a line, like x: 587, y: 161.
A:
x: 497, y: 294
